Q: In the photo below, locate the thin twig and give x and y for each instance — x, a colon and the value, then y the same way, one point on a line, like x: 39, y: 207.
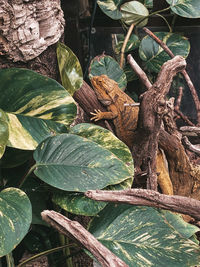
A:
x: 185, y: 74
x: 125, y: 43
x: 140, y: 73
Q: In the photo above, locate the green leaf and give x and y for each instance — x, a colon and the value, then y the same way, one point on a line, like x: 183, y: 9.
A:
x: 154, y: 55
x: 33, y: 104
x: 144, y: 236
x: 106, y: 139
x: 79, y: 204
x: 130, y: 74
x: 148, y: 3
x: 107, y: 65
x: 185, y: 8
x: 27, y: 132
x: 111, y: 8
x: 70, y: 68
x: 133, y: 12
x: 4, y: 133
x: 132, y: 43
x: 73, y: 163
x: 15, y: 219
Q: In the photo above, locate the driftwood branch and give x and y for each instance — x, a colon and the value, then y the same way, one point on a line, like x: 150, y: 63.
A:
x: 191, y: 147
x: 142, y: 197
x: 140, y: 73
x: 75, y: 230
x: 152, y: 109
x: 185, y: 74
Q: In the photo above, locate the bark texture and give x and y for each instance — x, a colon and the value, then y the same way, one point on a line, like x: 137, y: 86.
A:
x: 76, y: 231
x: 28, y: 27
x: 151, y: 198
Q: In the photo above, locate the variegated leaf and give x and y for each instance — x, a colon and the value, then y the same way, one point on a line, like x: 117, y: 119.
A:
x: 34, y: 104
x: 185, y: 8
x: 73, y: 163
x: 79, y: 204
x: 70, y: 68
x: 15, y: 218
x: 144, y: 236
x: 154, y: 55
x: 107, y: 65
x: 4, y: 133
x: 133, y: 12
x: 111, y: 8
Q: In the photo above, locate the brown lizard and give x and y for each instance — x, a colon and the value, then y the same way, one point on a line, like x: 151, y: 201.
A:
x: 124, y: 118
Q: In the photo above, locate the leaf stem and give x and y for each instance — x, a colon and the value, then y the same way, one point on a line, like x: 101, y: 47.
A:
x: 26, y: 175
x: 44, y: 253
x: 154, y: 13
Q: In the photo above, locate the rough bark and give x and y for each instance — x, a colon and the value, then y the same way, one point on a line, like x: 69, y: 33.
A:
x: 29, y: 27
x: 151, y: 198
x: 179, y: 164
x: 76, y: 231
x: 152, y: 109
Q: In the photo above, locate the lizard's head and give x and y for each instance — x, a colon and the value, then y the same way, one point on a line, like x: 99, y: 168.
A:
x: 103, y: 86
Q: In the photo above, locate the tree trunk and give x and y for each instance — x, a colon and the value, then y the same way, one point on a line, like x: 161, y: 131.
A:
x: 29, y: 31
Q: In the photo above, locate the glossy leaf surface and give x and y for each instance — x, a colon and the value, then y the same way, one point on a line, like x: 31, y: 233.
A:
x: 4, y: 133
x: 143, y: 236
x: 133, y: 12
x: 79, y: 204
x: 34, y: 104
x: 111, y: 8
x: 15, y: 219
x: 154, y: 56
x: 107, y: 65
x: 70, y: 68
x: 72, y: 163
x: 185, y: 8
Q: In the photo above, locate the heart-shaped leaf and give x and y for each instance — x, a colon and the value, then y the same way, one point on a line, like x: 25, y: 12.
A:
x: 185, y: 8
x: 154, y: 55
x: 34, y: 105
x: 79, y: 204
x: 70, y: 68
x: 4, y: 133
x: 134, y: 12
x: 72, y: 163
x: 144, y: 236
x: 15, y: 219
x: 111, y: 8
x: 107, y: 65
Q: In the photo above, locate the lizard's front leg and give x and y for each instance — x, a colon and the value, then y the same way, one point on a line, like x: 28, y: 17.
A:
x: 99, y: 115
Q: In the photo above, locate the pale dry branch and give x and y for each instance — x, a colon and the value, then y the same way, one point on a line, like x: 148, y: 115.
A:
x: 75, y: 230
x: 151, y: 198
